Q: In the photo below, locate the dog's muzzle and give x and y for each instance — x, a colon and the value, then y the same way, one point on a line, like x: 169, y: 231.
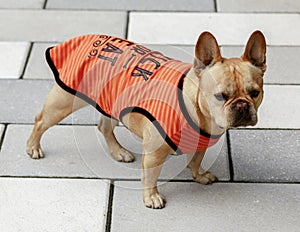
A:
x: 243, y: 114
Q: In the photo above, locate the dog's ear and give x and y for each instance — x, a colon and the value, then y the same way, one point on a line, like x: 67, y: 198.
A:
x: 207, y: 52
x: 255, y: 51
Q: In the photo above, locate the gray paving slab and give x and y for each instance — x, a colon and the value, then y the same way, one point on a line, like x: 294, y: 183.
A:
x: 12, y: 58
x: 21, y: 100
x: 80, y: 151
x: 179, y: 52
x: 229, y: 28
x: 280, y: 107
x: 258, y: 6
x: 30, y: 204
x: 55, y: 26
x: 134, y: 5
x: 22, y: 4
x: 37, y: 67
x: 60, y: 161
x: 220, y: 207
x: 283, y: 63
x: 265, y: 155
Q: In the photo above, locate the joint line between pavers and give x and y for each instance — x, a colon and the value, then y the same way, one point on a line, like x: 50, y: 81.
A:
x: 281, y: 84
x: 3, y: 135
x: 230, y: 161
x: 215, y: 6
x: 26, y: 60
x: 264, y: 129
x: 110, y: 207
x: 45, y: 4
x: 127, y: 24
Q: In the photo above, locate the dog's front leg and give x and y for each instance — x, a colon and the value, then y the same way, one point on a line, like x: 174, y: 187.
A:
x: 200, y: 175
x: 155, y: 153
x: 152, y: 164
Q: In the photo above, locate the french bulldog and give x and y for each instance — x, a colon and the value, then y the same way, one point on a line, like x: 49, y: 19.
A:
x: 174, y: 107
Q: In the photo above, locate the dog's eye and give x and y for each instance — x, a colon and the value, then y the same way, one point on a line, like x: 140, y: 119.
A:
x: 221, y: 96
x: 254, y: 93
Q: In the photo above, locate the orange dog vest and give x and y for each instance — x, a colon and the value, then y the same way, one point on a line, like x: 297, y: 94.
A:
x: 118, y: 76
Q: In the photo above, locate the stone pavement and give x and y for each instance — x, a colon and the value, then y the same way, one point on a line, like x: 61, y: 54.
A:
x: 78, y: 187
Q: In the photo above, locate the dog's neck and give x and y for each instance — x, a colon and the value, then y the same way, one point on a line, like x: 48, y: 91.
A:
x: 191, y: 91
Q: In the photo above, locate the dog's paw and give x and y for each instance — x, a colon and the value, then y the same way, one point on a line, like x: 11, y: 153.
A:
x: 123, y: 155
x: 155, y: 201
x: 35, y: 153
x: 205, y: 178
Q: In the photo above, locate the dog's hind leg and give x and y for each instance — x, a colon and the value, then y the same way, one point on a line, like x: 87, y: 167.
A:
x: 106, y: 127
x: 58, y: 105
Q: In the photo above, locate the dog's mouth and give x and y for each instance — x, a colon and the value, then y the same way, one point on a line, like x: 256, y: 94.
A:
x: 235, y: 121
x: 243, y: 124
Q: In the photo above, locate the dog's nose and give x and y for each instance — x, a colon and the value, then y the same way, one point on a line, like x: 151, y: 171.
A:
x: 241, y: 113
x: 241, y: 106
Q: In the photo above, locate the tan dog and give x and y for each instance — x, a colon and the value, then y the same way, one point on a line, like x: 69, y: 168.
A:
x: 218, y: 94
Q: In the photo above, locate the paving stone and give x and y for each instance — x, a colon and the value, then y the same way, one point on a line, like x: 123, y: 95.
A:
x: 280, y: 107
x: 220, y: 207
x: 33, y: 4
x: 60, y: 161
x: 258, y: 6
x: 21, y: 100
x: 12, y: 58
x: 53, y: 26
x: 37, y: 67
x: 283, y: 63
x: 134, y: 5
x: 143, y: 27
x: 268, y: 155
x: 80, y: 151
x: 30, y: 204
x: 179, y: 52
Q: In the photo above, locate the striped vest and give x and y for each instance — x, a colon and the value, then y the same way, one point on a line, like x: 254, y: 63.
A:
x: 118, y: 77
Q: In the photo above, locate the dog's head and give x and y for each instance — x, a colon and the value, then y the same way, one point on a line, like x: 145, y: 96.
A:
x: 231, y: 90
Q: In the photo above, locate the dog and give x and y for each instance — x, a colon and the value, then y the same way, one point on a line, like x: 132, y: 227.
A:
x: 173, y: 106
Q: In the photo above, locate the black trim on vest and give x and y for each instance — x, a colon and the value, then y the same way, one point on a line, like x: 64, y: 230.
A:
x: 155, y: 123
x: 186, y: 114
x: 70, y: 90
